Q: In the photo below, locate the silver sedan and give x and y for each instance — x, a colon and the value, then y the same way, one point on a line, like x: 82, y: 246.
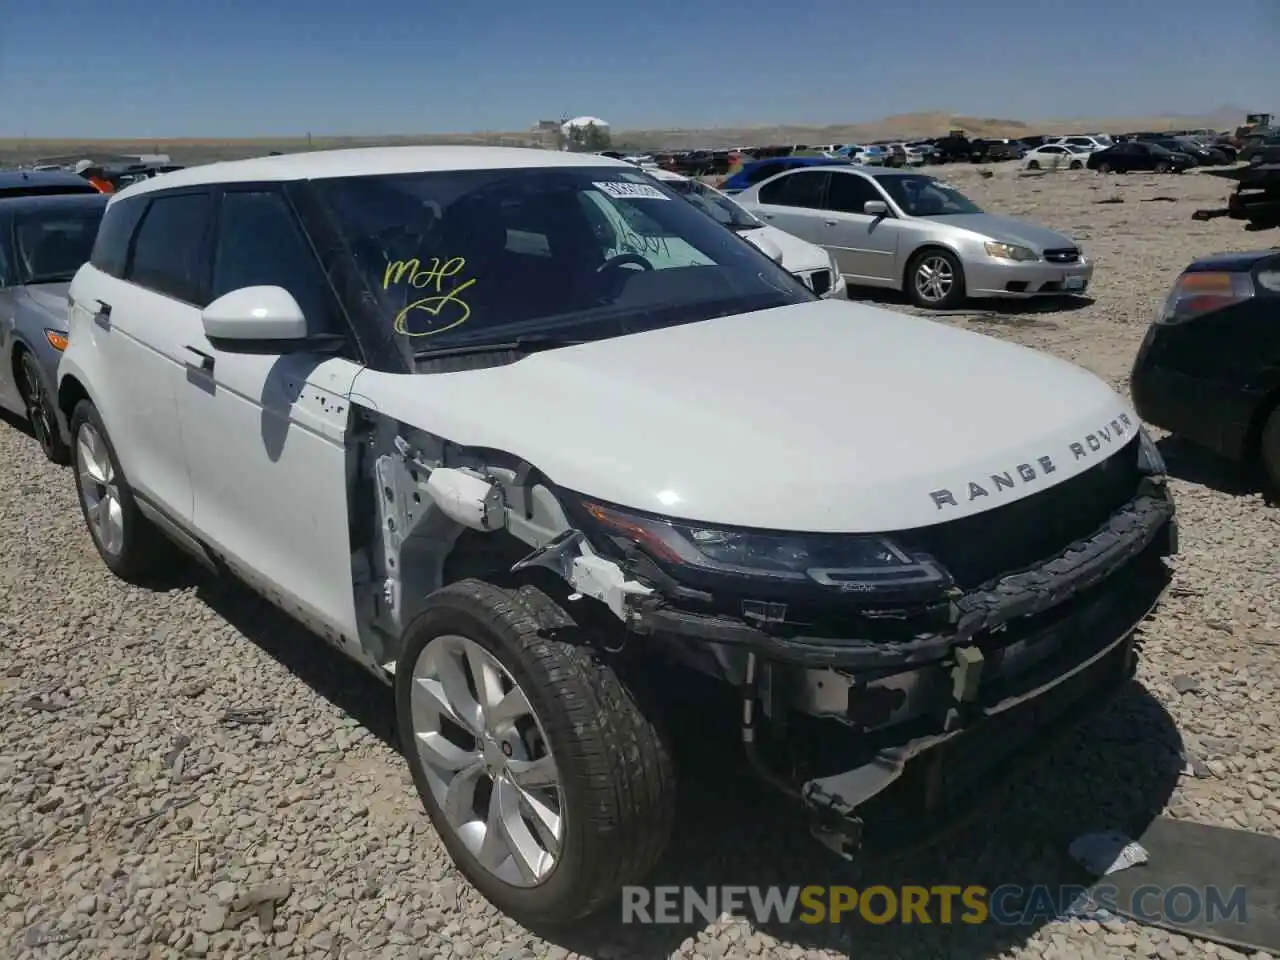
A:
x: 908, y: 231
x: 43, y: 241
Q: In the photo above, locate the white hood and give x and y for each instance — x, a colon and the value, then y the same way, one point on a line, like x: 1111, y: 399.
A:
x: 821, y: 416
x: 797, y: 255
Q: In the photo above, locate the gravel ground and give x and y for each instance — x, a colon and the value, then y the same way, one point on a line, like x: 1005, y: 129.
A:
x: 185, y: 773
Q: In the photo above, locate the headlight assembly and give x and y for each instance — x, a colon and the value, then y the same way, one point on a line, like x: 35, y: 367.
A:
x: 868, y: 565
x: 1009, y: 251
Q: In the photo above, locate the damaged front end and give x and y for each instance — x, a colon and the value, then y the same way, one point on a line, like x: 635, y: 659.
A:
x: 882, y: 678
x: 888, y: 692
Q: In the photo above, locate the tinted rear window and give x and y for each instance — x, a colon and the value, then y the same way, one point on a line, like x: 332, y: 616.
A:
x: 47, y: 190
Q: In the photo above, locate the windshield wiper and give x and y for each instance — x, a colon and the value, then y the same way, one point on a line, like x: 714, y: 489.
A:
x: 529, y: 344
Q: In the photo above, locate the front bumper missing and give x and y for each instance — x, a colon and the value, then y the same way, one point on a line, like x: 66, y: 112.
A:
x: 1029, y: 653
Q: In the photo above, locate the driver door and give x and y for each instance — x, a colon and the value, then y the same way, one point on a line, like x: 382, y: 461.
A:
x: 865, y: 246
x: 265, y: 434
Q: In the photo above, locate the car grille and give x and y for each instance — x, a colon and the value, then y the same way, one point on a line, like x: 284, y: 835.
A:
x: 820, y: 281
x: 1064, y: 255
x: 978, y: 548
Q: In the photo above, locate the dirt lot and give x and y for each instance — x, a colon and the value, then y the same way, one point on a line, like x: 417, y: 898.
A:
x: 135, y: 810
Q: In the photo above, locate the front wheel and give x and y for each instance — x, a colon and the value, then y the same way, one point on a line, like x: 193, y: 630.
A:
x: 129, y: 544
x: 545, y: 780
x: 41, y: 414
x: 1076, y: 165
x: 1104, y: 168
x: 935, y: 280
x: 1033, y: 164
x: 1162, y: 167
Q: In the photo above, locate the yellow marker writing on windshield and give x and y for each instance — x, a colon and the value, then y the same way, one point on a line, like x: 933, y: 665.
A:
x: 413, y: 273
x: 433, y: 306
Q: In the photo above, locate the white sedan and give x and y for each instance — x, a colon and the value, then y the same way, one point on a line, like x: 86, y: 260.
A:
x: 811, y: 264
x: 1057, y: 156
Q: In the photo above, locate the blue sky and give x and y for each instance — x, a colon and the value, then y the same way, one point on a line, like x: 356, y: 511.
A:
x: 228, y: 68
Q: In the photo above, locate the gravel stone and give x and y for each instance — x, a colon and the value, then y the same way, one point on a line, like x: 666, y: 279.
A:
x: 185, y: 757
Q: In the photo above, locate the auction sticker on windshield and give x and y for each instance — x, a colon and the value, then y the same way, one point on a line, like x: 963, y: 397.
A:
x: 621, y: 190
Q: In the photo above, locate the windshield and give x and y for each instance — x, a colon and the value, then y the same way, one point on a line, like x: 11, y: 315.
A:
x: 470, y: 257
x: 922, y: 196
x: 714, y: 203
x: 52, y: 245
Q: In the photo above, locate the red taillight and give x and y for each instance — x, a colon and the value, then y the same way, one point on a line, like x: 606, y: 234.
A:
x: 1195, y: 294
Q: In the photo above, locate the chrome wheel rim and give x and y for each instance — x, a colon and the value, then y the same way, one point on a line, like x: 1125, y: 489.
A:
x: 38, y: 413
x: 934, y: 278
x: 487, y: 761
x: 99, y: 490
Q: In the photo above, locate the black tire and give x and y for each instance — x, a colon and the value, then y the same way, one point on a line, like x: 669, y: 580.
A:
x: 1076, y: 165
x: 615, y: 769
x: 1033, y: 164
x: 143, y: 547
x: 1104, y: 167
x: 954, y: 296
x: 41, y: 410
x: 1162, y: 167
x: 1269, y: 452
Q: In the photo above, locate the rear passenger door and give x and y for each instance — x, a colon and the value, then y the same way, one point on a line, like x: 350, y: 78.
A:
x: 265, y: 434
x: 146, y: 303
x: 794, y: 202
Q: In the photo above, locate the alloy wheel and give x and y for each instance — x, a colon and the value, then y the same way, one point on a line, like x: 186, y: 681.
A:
x: 99, y: 489
x: 39, y: 413
x: 487, y: 760
x: 934, y: 278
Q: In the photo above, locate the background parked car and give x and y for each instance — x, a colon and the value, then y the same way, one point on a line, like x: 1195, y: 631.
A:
x: 1206, y: 155
x: 1138, y: 155
x: 995, y: 151
x: 43, y: 241
x: 905, y: 230
x: 33, y: 183
x: 810, y: 264
x: 1207, y: 368
x: 1054, y: 156
x: 756, y: 171
x: 1091, y: 142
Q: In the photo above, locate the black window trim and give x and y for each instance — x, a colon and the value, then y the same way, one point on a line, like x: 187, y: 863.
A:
x: 151, y: 197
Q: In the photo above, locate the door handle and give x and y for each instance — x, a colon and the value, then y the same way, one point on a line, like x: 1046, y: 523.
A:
x: 206, y: 361
x: 831, y: 223
x: 767, y: 216
x: 102, y: 316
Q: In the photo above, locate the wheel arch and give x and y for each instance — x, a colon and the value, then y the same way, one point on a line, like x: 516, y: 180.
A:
x: 70, y: 392
x: 909, y: 261
x: 1269, y: 404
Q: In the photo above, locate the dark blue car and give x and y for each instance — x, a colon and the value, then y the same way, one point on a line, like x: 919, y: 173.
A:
x: 758, y: 170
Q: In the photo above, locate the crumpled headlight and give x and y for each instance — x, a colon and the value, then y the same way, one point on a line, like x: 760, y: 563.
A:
x: 1150, y: 459
x: 1009, y: 251
x: 848, y: 563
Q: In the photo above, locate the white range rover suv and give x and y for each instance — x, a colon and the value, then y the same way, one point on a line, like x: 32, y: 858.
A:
x: 427, y: 401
